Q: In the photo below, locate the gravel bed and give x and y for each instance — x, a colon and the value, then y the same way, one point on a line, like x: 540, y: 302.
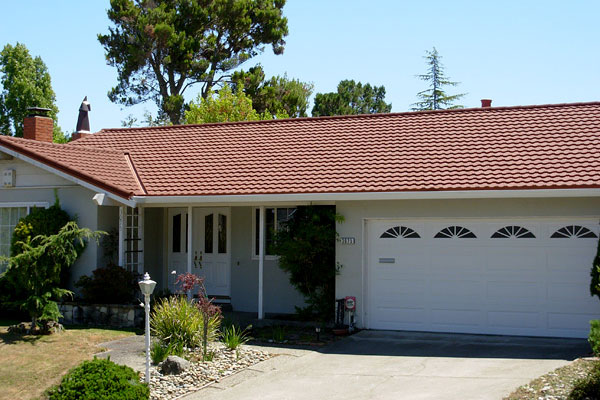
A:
x: 201, y: 374
x: 555, y: 385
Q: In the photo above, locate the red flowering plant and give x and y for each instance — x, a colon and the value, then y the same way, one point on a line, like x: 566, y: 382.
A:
x: 211, y: 313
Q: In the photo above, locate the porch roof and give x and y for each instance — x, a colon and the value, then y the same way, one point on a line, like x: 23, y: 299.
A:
x: 499, y: 148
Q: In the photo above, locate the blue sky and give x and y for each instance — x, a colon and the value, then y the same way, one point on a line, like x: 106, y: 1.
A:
x: 514, y: 52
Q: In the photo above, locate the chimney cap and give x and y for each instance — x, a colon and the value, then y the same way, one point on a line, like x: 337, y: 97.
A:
x: 38, y: 112
x: 486, y: 103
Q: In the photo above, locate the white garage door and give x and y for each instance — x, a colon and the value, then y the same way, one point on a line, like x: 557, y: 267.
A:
x: 514, y: 277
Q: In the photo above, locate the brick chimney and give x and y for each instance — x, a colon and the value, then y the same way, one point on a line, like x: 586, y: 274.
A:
x: 37, y: 125
x: 486, y: 103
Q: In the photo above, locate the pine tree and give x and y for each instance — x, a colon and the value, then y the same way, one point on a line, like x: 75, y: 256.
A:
x: 435, y: 98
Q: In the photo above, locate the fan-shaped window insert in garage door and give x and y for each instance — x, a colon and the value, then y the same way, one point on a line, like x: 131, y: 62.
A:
x: 455, y: 232
x: 513, y: 231
x: 399, y: 232
x: 574, y: 231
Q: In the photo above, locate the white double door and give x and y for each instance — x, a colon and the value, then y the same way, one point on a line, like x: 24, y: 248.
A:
x: 211, y: 247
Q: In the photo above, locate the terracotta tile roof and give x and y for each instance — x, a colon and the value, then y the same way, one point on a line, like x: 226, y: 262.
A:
x: 107, y: 169
x: 524, y: 147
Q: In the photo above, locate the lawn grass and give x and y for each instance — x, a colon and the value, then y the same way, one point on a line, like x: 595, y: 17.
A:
x: 30, y: 364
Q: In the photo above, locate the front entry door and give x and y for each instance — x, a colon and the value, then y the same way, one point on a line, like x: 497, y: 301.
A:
x: 212, y: 249
x: 177, y: 245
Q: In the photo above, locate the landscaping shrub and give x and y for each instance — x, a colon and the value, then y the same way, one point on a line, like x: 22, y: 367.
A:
x: 594, y: 337
x: 36, y: 269
x: 233, y: 337
x: 176, y: 320
x: 100, y: 379
x: 587, y: 388
x: 306, y: 248
x: 40, y: 221
x: 109, y: 285
x: 160, y: 351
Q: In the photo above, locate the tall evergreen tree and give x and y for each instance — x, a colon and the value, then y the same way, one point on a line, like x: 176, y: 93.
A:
x: 25, y: 83
x: 435, y: 97
x: 162, y: 47
x: 351, y: 98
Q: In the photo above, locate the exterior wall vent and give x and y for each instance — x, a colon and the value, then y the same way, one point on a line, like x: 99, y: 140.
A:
x: 9, y: 178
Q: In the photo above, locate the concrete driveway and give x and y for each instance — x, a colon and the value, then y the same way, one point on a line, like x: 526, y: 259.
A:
x: 401, y: 365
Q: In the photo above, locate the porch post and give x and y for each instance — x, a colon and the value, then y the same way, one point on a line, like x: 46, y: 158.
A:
x: 140, y: 253
x: 190, y: 223
x: 261, y: 260
x: 122, y: 236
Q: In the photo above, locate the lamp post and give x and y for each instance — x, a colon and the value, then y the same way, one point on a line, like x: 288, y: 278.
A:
x: 147, y: 287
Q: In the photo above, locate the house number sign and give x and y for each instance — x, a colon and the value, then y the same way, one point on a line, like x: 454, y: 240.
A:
x: 347, y: 240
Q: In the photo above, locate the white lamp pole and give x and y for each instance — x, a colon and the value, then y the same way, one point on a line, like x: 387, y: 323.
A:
x: 147, y: 287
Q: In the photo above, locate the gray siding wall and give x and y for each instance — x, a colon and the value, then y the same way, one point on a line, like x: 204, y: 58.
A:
x: 279, y: 295
x: 350, y: 283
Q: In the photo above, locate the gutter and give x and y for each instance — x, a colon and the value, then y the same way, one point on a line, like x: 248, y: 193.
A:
x: 362, y: 196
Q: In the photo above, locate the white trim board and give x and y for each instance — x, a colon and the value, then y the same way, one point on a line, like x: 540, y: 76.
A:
x: 66, y: 176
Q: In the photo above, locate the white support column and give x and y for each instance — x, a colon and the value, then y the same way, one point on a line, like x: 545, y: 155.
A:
x: 190, y: 251
x: 141, y: 241
x: 261, y: 260
x: 122, y: 216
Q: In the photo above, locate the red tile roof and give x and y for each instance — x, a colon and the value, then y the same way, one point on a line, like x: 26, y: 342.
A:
x: 523, y: 147
x: 107, y: 169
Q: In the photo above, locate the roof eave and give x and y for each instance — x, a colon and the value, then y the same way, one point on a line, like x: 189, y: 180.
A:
x: 55, y: 168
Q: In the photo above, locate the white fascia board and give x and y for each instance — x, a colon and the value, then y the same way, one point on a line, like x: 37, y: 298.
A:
x: 330, y: 198
x: 118, y: 199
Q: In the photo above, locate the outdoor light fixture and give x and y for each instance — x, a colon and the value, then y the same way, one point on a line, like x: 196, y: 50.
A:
x: 147, y: 287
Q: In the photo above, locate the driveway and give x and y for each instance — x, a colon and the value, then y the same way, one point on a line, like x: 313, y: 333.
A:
x: 401, y: 365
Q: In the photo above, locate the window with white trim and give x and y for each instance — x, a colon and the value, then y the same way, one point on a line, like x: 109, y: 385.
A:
x: 10, y: 214
x: 275, y: 217
x: 134, y: 255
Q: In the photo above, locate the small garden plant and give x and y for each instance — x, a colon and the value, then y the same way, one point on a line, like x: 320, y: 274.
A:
x: 233, y: 337
x: 587, y: 388
x: 100, y: 379
x: 179, y: 322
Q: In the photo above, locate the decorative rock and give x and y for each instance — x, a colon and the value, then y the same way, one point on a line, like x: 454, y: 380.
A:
x: 174, y: 365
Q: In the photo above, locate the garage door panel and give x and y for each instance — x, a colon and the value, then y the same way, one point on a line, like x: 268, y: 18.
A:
x: 513, y: 319
x: 450, y: 317
x: 570, y: 321
x: 571, y: 294
x: 406, y: 315
x: 515, y: 292
x: 510, y: 285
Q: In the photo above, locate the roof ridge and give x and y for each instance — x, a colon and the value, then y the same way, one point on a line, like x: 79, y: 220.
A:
x: 22, y: 142
x: 354, y: 116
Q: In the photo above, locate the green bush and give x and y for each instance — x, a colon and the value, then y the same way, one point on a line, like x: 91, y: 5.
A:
x: 100, y: 379
x: 306, y: 248
x: 587, y: 388
x: 594, y: 337
x: 176, y: 320
x: 109, y: 285
x: 233, y: 337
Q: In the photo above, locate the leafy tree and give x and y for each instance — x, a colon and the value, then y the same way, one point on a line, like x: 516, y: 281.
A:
x: 224, y: 106
x: 435, y: 97
x: 351, y: 98
x: 277, y: 95
x: 25, y: 83
x: 38, y: 269
x: 306, y: 249
x: 162, y: 47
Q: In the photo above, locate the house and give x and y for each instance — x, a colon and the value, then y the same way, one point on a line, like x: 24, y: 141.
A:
x: 480, y: 220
